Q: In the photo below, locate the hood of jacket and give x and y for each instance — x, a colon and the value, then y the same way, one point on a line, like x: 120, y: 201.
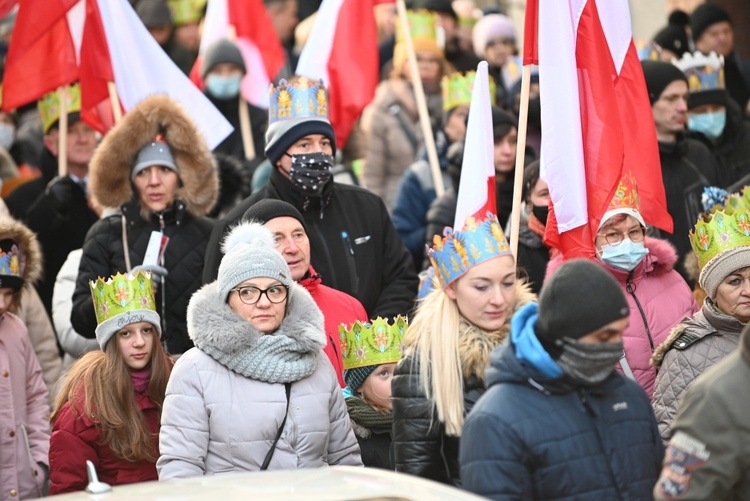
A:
x: 33, y: 266
x: 235, y: 343
x: 111, y: 165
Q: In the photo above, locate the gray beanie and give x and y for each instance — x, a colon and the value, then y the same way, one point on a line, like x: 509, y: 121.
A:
x: 580, y: 297
x: 721, y: 266
x: 154, y: 13
x: 154, y: 153
x: 281, y: 135
x: 222, y: 51
x: 355, y: 378
x: 249, y: 253
x: 108, y: 328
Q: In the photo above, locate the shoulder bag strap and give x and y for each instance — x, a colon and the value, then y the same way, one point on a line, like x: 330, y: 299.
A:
x: 269, y: 454
x: 125, y: 247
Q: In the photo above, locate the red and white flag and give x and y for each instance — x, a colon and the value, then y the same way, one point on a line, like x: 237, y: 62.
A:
x: 596, y: 117
x: 247, y: 23
x: 476, y: 190
x: 342, y: 50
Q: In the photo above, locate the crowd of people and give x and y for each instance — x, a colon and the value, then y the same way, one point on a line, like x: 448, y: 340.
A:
x: 283, y: 301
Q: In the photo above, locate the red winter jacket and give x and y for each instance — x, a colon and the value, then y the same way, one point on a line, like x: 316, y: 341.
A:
x: 338, y: 308
x: 659, y: 299
x: 75, y: 439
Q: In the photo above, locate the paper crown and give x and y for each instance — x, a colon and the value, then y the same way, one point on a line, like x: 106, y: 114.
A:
x: 456, y: 252
x: 372, y: 343
x: 49, y: 105
x: 186, y: 11
x: 121, y: 294
x: 704, y: 73
x: 422, y: 26
x: 648, y: 51
x: 625, y: 200
x: 300, y: 99
x: 723, y: 230
x: 10, y: 260
x: 457, y: 89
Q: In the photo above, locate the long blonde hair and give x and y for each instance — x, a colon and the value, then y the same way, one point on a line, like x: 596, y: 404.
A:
x: 99, y: 386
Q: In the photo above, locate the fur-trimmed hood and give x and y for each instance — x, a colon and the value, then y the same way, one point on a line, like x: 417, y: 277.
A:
x: 110, y: 168
x: 32, y: 266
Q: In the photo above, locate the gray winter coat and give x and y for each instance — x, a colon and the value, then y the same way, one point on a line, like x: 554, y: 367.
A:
x: 693, y: 346
x: 226, y: 399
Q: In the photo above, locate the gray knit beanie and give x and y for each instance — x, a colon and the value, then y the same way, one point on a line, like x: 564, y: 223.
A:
x: 105, y: 330
x: 721, y: 266
x: 281, y: 135
x: 222, y: 51
x: 355, y: 378
x: 249, y: 253
x: 154, y: 153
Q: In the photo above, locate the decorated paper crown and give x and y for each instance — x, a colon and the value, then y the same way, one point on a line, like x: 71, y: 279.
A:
x: 372, y: 343
x: 457, y: 89
x: 648, y: 51
x: 456, y: 252
x: 625, y: 200
x: 422, y: 26
x: 723, y: 230
x: 186, y: 11
x: 121, y: 294
x: 49, y: 105
x: 301, y: 99
x: 704, y: 73
x: 11, y: 264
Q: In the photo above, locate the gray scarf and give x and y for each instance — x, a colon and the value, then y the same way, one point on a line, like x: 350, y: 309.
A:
x: 288, y: 355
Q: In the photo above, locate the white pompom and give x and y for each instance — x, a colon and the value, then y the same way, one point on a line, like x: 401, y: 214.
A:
x: 247, y: 233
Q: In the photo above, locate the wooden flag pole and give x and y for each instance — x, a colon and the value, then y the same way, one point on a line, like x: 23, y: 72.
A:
x: 523, y: 115
x: 246, y: 130
x: 424, y: 116
x: 62, y: 153
x: 114, y: 101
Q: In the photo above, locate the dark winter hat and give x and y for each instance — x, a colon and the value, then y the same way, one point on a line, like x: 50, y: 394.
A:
x: 355, y: 378
x: 673, y: 38
x: 658, y: 76
x: 580, y: 298
x: 704, y: 16
x: 502, y: 122
x: 270, y: 208
x: 154, y: 13
x: 442, y: 6
x: 222, y: 51
x: 280, y: 136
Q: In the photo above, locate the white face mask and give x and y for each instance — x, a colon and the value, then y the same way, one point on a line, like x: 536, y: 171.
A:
x: 7, y: 135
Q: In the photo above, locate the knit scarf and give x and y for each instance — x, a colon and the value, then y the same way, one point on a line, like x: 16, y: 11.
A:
x: 365, y: 416
x: 141, y: 379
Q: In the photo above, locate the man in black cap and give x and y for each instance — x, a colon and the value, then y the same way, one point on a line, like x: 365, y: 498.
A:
x: 687, y: 166
x: 557, y: 421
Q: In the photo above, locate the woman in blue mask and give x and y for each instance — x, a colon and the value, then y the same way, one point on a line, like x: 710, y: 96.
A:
x: 659, y: 298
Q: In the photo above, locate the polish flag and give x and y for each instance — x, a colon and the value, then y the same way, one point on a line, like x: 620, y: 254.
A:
x: 342, y: 50
x: 476, y: 191
x: 247, y: 23
x: 596, y: 117
x: 90, y: 35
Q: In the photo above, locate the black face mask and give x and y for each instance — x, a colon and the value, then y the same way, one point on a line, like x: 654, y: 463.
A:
x: 540, y: 212
x: 311, y: 171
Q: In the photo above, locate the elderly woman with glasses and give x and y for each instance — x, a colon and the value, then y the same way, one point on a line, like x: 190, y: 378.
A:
x: 659, y: 298
x: 257, y: 392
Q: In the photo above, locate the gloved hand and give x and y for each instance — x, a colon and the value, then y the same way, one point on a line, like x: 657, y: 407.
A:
x: 154, y: 269
x: 60, y: 192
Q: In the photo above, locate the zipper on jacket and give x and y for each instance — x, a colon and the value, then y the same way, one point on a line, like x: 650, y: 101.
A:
x: 349, y: 252
x: 630, y: 287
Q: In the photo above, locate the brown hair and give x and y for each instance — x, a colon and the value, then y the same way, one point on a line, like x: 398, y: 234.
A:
x: 99, y: 386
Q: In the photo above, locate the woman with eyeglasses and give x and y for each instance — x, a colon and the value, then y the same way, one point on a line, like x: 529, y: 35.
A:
x: 659, y: 298
x: 257, y: 392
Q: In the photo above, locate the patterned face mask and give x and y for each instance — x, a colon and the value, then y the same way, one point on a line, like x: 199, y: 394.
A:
x: 311, y: 171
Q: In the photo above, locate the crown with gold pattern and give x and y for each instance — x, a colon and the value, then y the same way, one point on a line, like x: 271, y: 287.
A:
x: 300, y: 99
x: 457, y: 89
x: 372, y: 343
x: 121, y: 294
x: 705, y: 76
x: 456, y: 252
x: 49, y: 105
x: 648, y: 51
x: 625, y: 200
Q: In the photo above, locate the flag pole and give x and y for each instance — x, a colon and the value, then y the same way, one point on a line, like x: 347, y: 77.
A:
x: 424, y: 116
x: 246, y: 125
x: 62, y: 152
x: 523, y: 115
x: 114, y: 102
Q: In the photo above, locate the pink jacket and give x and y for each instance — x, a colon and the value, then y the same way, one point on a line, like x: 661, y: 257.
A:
x: 659, y: 299
x: 24, y: 428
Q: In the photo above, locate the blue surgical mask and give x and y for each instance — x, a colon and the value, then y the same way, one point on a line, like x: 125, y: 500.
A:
x: 624, y: 256
x: 223, y: 87
x: 710, y: 125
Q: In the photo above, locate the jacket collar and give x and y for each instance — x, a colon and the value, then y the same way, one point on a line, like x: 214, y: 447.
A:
x: 172, y: 215
x: 285, y: 190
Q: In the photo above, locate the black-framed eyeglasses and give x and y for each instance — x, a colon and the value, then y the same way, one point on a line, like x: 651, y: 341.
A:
x: 614, y: 237
x: 251, y: 295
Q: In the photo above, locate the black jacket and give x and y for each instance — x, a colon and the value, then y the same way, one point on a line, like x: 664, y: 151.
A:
x: 20, y: 199
x: 103, y: 255
x: 232, y: 145
x: 354, y: 246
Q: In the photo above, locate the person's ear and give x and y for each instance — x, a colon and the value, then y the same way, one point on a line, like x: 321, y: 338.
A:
x: 450, y: 291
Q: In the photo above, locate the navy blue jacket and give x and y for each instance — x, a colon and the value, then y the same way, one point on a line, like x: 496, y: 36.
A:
x: 530, y: 437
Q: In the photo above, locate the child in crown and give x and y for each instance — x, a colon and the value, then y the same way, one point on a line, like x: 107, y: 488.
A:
x: 109, y: 408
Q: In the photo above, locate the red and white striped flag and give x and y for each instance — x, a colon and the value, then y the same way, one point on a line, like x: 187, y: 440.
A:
x: 596, y: 117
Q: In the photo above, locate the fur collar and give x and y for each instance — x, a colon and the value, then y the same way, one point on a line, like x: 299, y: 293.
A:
x: 109, y: 180
x: 289, y: 354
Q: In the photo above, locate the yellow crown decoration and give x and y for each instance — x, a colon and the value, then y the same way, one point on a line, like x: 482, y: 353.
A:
x: 372, y: 343
x: 703, y: 72
x: 457, y: 89
x: 737, y: 201
x: 121, y: 294
x: 300, y: 99
x: 49, y: 105
x: 715, y: 233
x: 186, y: 11
x: 422, y: 26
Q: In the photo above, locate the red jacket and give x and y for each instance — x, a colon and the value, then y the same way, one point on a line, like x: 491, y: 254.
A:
x: 338, y: 308
x: 75, y: 439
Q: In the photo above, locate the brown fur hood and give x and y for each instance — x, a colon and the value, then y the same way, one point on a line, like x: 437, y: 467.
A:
x: 109, y: 179
x: 32, y: 262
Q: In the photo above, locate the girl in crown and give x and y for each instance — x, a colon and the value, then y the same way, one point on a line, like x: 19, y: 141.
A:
x: 109, y: 407
x: 448, y: 345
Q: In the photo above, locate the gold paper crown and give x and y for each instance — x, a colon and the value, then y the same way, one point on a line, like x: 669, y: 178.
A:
x: 186, y: 11
x: 422, y: 26
x: 121, y: 294
x: 302, y: 98
x: 715, y: 233
x: 372, y: 343
x: 703, y: 72
x: 49, y: 105
x: 457, y: 89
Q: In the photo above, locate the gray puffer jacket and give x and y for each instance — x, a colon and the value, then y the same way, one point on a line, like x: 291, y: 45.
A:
x: 693, y: 346
x: 226, y: 397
